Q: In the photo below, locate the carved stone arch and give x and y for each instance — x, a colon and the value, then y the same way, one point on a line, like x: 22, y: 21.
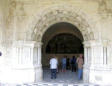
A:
x: 56, y: 14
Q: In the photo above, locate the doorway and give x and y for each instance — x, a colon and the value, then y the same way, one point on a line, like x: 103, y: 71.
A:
x: 61, y: 39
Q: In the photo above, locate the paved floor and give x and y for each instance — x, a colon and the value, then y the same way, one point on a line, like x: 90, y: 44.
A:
x: 63, y: 79
x: 49, y: 84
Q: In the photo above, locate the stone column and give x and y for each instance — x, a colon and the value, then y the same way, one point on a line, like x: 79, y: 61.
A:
x: 93, y: 58
x: 39, y: 53
x: 97, y: 68
x: 38, y: 66
x: 24, y: 54
x: 27, y: 61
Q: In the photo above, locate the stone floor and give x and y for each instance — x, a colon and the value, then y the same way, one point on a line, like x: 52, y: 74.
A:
x: 49, y: 84
x: 62, y: 77
x: 67, y: 78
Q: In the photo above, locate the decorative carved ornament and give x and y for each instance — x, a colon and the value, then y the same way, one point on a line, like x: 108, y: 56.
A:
x: 105, y: 9
x: 61, y: 13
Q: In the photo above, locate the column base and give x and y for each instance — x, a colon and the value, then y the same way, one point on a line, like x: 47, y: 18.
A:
x: 17, y: 75
x: 21, y: 75
x: 38, y: 74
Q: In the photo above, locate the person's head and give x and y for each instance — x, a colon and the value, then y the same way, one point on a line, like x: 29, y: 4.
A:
x: 73, y: 57
x: 80, y: 55
x: 50, y: 57
x: 65, y: 56
x: 0, y: 54
x: 53, y: 56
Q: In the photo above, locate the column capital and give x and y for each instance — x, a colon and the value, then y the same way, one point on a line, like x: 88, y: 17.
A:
x: 22, y: 43
x: 92, y: 43
x: 106, y: 43
x: 38, y: 44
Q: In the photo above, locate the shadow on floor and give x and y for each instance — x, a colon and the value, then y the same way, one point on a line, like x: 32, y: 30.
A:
x: 62, y: 77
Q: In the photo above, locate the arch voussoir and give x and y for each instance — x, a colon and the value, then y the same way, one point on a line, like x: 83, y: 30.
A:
x: 62, y: 14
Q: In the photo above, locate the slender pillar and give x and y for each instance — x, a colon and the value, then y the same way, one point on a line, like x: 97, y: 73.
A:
x: 23, y: 62
x: 26, y: 62
x: 38, y: 67
x: 97, y: 69
x: 39, y: 52
x: 93, y: 58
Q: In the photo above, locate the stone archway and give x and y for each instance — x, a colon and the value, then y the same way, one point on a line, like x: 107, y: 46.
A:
x: 62, y: 30
x: 93, y: 49
x: 70, y: 15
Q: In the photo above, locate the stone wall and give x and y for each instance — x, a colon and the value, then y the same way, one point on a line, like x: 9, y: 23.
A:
x: 27, y: 20
x: 19, y: 15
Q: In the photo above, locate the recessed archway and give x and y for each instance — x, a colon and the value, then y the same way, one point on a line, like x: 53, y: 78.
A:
x: 56, y: 14
x: 61, y: 39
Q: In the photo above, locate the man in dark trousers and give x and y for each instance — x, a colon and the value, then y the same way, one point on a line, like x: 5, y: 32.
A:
x: 73, y: 64
x: 53, y: 67
x: 0, y: 54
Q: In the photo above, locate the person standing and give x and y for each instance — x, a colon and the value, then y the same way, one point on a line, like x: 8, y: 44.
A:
x: 64, y: 64
x: 67, y: 63
x: 53, y: 67
x: 80, y: 66
x: 73, y: 64
x: 0, y: 53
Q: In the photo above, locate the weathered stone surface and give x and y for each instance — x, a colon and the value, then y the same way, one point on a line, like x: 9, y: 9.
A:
x: 27, y: 20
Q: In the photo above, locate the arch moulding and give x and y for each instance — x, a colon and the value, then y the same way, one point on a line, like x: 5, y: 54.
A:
x: 56, y: 14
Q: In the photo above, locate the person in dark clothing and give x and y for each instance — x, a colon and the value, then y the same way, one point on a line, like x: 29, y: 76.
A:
x: 64, y: 64
x: 73, y: 64
x: 0, y: 53
x: 68, y: 63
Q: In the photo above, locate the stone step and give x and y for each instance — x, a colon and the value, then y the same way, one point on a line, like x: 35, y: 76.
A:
x: 49, y: 84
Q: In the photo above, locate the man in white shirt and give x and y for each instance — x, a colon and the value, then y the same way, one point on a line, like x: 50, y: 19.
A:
x: 53, y: 67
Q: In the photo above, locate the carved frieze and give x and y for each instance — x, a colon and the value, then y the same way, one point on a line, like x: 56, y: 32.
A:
x: 60, y: 13
x: 105, y: 9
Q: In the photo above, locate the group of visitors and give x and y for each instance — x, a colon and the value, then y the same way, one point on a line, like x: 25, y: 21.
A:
x: 74, y: 64
x: 69, y: 64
